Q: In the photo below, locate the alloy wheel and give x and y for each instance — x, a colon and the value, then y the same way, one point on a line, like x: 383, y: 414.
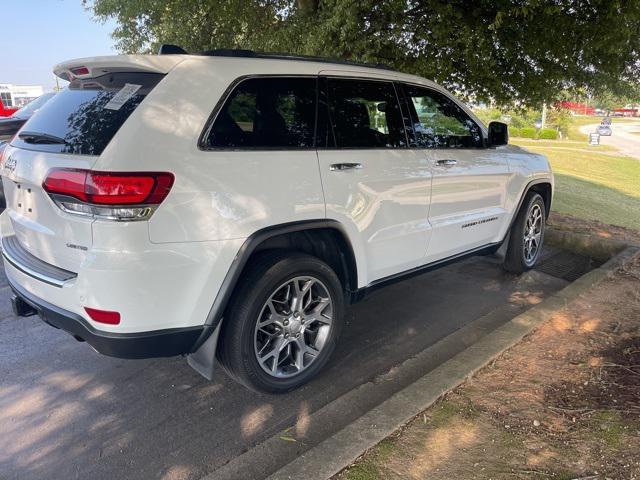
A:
x: 293, y: 327
x: 533, y: 234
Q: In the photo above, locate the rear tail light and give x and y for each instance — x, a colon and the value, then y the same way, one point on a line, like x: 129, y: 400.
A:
x: 108, y: 195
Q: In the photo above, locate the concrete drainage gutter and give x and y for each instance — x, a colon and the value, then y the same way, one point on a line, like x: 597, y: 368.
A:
x: 342, y: 449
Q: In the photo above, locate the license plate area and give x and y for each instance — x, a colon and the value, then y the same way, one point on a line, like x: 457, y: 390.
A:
x: 23, y: 199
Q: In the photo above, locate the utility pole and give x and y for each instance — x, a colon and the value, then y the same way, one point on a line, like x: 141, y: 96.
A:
x: 544, y: 114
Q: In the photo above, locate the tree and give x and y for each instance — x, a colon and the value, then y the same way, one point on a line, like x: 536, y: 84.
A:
x: 607, y: 100
x: 508, y: 51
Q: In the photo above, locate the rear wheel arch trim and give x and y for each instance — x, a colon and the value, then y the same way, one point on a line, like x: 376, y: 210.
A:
x: 249, y: 246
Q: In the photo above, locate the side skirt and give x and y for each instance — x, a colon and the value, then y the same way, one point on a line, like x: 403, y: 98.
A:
x: 361, y: 293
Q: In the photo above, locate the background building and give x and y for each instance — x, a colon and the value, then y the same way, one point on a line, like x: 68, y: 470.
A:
x: 16, y: 96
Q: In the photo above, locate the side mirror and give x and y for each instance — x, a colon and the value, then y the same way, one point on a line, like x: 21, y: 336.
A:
x: 498, y: 134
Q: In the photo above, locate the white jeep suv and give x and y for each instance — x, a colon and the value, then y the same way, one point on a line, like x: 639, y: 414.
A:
x: 229, y: 205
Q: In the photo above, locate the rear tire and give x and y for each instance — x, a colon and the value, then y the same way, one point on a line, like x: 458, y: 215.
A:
x: 283, y: 322
x: 527, y: 235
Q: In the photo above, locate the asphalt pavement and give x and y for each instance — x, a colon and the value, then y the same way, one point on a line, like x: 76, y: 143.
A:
x: 67, y: 412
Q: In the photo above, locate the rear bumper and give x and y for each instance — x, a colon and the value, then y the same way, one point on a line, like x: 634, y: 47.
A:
x: 158, y: 343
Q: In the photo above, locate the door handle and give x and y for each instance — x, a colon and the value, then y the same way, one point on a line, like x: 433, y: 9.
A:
x: 446, y: 162
x: 338, y: 167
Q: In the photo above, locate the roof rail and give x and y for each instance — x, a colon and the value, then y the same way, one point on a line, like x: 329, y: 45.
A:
x: 241, y: 53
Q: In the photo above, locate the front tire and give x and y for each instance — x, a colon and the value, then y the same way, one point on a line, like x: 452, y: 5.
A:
x: 283, y: 323
x: 527, y: 235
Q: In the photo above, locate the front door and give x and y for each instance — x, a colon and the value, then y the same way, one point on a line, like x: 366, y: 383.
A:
x: 469, y: 181
x: 373, y: 184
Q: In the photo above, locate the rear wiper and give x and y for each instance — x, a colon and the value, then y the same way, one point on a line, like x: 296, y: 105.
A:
x: 36, y: 137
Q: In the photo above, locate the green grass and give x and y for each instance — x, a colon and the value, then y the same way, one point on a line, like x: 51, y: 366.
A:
x: 363, y: 470
x: 595, y: 186
x: 368, y: 467
x: 608, y: 427
x: 561, y: 144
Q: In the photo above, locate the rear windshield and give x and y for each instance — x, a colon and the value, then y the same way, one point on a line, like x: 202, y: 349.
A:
x: 83, y: 118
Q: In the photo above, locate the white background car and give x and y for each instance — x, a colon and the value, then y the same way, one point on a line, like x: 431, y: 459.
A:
x: 231, y: 205
x: 604, y: 130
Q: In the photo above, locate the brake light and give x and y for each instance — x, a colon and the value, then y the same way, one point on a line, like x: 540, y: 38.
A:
x: 78, y: 71
x: 103, y: 316
x: 131, y: 196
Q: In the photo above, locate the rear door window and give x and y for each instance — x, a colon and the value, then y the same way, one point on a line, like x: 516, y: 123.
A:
x: 82, y: 119
x: 267, y: 113
x: 365, y: 114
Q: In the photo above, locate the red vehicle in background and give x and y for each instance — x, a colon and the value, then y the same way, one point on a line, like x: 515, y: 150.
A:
x: 6, y: 111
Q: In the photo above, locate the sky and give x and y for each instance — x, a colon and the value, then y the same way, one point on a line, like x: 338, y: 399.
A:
x: 37, y: 34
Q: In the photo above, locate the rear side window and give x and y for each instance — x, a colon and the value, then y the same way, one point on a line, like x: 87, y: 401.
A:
x: 82, y: 119
x: 365, y: 114
x: 276, y: 112
x: 438, y: 122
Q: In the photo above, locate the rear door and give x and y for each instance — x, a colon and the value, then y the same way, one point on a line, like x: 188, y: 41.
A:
x: 373, y: 183
x: 69, y: 131
x: 469, y: 181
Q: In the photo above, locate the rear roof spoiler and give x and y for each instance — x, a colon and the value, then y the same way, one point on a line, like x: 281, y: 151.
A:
x: 92, y: 67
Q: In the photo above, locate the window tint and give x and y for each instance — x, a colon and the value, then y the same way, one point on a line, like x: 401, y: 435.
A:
x: 438, y: 122
x: 267, y: 113
x: 365, y: 114
x: 80, y: 119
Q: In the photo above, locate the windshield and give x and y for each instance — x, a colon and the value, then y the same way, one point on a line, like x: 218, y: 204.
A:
x: 83, y: 118
x: 33, y: 106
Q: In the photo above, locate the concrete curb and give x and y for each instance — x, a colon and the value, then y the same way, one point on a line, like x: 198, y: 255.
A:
x: 596, y: 247
x: 343, y: 448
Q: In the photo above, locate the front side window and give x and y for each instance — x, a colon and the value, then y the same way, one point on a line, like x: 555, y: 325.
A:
x: 365, y: 114
x: 270, y: 112
x: 438, y: 122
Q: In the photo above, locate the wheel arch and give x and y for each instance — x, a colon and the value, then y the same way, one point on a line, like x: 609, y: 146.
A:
x: 325, y: 239
x: 544, y: 188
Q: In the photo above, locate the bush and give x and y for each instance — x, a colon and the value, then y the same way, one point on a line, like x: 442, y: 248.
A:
x: 528, y: 132
x: 548, y: 134
x: 514, y: 132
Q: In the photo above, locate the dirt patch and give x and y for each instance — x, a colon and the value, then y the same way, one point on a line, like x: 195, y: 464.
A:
x: 564, y: 404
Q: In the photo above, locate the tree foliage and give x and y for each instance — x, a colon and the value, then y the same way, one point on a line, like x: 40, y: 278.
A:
x: 504, y: 50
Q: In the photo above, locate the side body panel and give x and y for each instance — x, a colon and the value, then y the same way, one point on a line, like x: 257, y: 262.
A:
x: 526, y: 168
x: 384, y: 206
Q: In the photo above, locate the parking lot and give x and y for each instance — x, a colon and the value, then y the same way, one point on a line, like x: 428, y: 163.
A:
x: 67, y: 412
